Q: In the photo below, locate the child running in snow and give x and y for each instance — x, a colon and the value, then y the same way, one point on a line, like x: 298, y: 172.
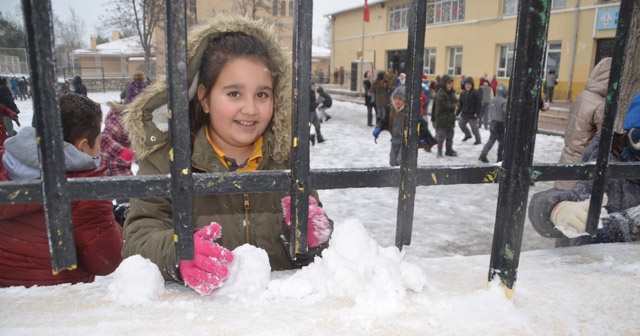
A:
x: 324, y: 102
x: 240, y: 120
x: 25, y: 259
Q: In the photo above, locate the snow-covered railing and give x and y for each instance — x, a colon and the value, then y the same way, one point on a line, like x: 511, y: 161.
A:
x: 515, y: 174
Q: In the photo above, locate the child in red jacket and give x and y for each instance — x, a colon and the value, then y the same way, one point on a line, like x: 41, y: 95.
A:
x: 24, y: 258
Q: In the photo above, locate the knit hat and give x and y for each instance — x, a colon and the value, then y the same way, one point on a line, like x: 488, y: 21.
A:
x: 399, y: 92
x: 632, y: 118
x: 424, y: 76
x: 633, y: 141
x: 446, y: 79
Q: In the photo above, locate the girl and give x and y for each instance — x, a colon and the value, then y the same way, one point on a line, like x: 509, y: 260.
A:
x: 240, y: 120
x: 394, y: 123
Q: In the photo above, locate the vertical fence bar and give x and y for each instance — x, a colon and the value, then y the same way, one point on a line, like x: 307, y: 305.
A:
x: 303, y: 22
x: 177, y: 84
x: 531, y: 39
x: 57, y: 206
x: 610, y: 110
x: 407, y: 190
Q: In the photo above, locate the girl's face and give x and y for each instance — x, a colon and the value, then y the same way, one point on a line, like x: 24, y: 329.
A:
x: 398, y: 102
x: 449, y: 86
x: 240, y: 106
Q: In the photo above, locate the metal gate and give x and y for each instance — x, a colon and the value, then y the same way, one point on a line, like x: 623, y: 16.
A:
x: 56, y: 192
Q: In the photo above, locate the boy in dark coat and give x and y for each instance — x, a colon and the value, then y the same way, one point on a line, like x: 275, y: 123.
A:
x: 324, y: 102
x: 470, y: 110
x: 445, y: 116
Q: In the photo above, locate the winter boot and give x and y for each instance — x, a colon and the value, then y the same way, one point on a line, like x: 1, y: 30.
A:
x: 450, y: 151
x: 439, y: 149
x: 483, y: 158
x: 312, y: 138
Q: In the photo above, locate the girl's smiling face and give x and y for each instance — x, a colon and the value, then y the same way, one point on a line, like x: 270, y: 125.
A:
x: 240, y: 106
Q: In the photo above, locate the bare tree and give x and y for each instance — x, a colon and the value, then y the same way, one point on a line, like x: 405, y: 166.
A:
x: 136, y: 18
x: 68, y: 37
x: 250, y: 8
x: 69, y: 32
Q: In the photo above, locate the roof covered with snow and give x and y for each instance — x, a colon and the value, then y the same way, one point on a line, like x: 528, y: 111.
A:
x: 125, y: 46
x: 320, y: 52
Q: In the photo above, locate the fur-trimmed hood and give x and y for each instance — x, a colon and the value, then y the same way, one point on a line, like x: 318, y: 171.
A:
x: 146, y: 119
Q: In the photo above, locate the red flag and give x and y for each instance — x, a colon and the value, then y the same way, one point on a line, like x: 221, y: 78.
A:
x: 366, y: 10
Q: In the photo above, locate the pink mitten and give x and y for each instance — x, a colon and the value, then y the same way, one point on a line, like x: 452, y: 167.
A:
x: 318, y: 230
x: 209, y: 267
x: 126, y: 155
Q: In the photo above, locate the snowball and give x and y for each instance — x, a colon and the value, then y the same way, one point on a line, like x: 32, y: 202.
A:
x: 137, y: 280
x: 249, y: 272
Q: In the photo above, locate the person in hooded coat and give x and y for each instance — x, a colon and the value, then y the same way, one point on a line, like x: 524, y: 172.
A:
x: 394, y: 123
x: 562, y: 213
x: 25, y: 259
x: 240, y: 121
x: 470, y: 110
x: 78, y: 87
x: 585, y: 117
x: 6, y: 99
x: 445, y: 116
x: 498, y: 116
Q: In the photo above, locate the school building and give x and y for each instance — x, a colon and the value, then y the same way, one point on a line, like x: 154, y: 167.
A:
x: 465, y: 37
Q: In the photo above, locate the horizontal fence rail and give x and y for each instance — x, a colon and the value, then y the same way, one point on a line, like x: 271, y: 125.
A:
x: 275, y: 181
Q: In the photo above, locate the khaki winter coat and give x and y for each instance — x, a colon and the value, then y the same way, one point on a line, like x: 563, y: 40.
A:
x: 245, y: 218
x: 585, y: 117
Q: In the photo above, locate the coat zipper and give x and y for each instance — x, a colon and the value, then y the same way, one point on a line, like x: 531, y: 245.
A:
x: 246, y: 218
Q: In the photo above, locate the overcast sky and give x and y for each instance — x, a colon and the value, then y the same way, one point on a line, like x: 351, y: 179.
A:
x: 90, y: 11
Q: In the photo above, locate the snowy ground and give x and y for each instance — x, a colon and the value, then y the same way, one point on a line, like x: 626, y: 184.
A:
x: 590, y: 290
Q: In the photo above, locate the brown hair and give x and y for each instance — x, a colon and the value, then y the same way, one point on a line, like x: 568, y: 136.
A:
x: 81, y: 118
x: 220, y: 50
x: 138, y: 75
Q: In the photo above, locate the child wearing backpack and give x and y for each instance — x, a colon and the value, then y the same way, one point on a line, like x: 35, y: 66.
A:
x: 324, y: 102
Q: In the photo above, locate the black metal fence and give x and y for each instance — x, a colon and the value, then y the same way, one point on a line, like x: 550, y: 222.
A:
x: 56, y: 192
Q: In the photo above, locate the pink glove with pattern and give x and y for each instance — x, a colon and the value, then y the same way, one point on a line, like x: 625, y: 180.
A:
x: 318, y: 229
x: 209, y: 268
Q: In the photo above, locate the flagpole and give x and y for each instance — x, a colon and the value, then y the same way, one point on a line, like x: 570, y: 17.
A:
x: 362, y: 57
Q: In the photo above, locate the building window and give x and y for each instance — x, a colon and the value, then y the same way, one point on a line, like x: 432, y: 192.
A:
x: 275, y: 7
x: 290, y: 8
x: 559, y: 4
x: 283, y: 8
x: 505, y: 62
x: 455, y: 61
x: 511, y: 6
x: 398, y: 15
x: 445, y: 10
x: 554, y: 51
x: 430, y: 61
